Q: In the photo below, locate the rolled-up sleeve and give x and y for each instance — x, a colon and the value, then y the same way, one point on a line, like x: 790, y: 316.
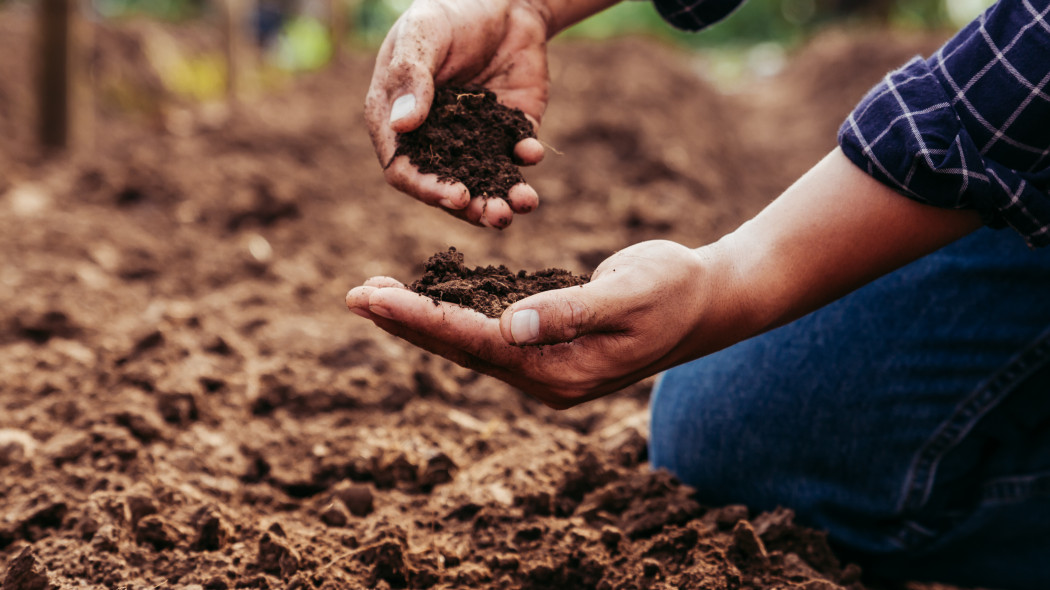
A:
x: 970, y: 126
x: 694, y: 15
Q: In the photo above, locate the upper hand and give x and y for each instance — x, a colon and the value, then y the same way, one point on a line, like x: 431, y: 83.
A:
x: 499, y: 44
x: 631, y: 321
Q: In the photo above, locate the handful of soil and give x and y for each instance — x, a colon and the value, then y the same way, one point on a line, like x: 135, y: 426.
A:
x: 468, y: 137
x: 489, y: 290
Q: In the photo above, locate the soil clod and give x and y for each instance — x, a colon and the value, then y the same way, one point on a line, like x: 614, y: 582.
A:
x: 489, y: 290
x: 468, y: 137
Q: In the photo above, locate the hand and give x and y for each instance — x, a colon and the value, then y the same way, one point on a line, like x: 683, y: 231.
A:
x: 500, y: 44
x: 631, y: 321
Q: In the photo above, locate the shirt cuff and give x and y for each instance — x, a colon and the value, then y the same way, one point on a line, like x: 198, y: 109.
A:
x: 694, y: 15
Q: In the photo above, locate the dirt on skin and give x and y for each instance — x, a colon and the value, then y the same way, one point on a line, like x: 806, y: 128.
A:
x: 187, y: 403
x: 468, y: 137
x: 489, y: 289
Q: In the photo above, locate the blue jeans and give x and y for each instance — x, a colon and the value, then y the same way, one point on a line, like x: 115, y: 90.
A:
x: 909, y: 419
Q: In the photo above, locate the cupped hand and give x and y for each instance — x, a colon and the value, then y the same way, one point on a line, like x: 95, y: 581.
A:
x: 632, y: 320
x: 499, y: 44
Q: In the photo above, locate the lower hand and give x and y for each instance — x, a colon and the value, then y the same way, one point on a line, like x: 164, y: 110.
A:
x: 631, y: 321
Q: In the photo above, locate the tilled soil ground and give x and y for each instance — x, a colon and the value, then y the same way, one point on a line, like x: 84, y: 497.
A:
x: 185, y: 402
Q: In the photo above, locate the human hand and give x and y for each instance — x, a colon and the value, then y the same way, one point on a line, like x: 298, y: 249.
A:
x: 631, y: 321
x: 499, y: 44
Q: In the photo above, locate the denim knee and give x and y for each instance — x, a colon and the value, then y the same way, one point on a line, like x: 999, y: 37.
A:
x: 875, y: 418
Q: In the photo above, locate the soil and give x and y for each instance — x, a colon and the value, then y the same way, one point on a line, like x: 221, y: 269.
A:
x: 187, y: 403
x: 489, y: 289
x: 468, y: 137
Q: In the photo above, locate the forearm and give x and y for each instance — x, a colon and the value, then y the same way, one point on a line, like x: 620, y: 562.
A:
x: 561, y: 14
x: 831, y: 232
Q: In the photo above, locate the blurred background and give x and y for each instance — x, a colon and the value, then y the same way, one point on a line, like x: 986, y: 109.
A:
x: 187, y: 191
x: 264, y: 41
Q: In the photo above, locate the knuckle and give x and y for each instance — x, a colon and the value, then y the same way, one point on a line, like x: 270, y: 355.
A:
x: 579, y: 315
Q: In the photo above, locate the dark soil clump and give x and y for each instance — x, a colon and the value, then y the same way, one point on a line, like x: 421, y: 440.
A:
x: 468, y: 137
x: 489, y: 290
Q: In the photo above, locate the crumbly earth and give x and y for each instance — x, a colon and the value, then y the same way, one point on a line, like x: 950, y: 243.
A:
x: 469, y: 137
x: 489, y: 289
x: 186, y: 402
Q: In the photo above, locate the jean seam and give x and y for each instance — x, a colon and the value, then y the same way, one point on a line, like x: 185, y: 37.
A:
x: 1017, y: 488
x: 919, y: 480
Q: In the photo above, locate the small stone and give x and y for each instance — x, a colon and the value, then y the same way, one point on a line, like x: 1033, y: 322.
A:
x: 503, y: 562
x: 276, y: 557
x: 727, y: 516
x: 156, y: 532
x: 107, y: 539
x: 177, y: 407
x: 335, y: 514
x: 15, y: 446
x: 212, y: 530
x: 627, y: 447
x: 746, y: 542
x: 140, y: 505
x: 388, y: 562
x: 144, y: 427
x: 67, y: 447
x: 439, y: 469
x: 26, y: 573
x: 41, y: 512
x: 650, y: 567
x: 357, y: 498
x: 397, y: 398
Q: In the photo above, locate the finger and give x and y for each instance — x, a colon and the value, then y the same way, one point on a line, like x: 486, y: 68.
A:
x: 357, y: 301
x: 377, y: 104
x: 455, y: 326
x: 357, y: 298
x: 382, y: 282
x: 561, y: 315
x: 473, y: 340
x: 405, y: 177
x: 512, y: 375
x: 529, y: 151
x: 475, y: 211
x: 497, y: 213
x: 420, y: 47
x: 522, y: 198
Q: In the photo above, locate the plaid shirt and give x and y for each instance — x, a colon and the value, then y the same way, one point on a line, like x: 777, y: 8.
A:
x: 967, y: 128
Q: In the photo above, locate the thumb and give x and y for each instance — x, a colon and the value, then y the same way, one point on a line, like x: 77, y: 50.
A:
x: 411, y: 95
x: 421, y: 46
x: 554, y: 316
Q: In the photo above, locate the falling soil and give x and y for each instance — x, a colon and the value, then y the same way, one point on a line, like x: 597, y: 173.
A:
x: 468, y: 137
x: 186, y: 403
x: 489, y: 289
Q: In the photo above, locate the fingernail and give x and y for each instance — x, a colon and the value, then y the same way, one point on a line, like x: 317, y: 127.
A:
x: 525, y: 326
x: 483, y: 221
x: 402, y: 107
x: 380, y: 311
x: 447, y: 204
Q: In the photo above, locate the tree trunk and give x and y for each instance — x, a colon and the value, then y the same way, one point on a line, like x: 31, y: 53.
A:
x: 55, y: 82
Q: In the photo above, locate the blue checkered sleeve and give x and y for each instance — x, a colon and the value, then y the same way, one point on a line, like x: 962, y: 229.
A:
x: 970, y: 126
x: 693, y: 15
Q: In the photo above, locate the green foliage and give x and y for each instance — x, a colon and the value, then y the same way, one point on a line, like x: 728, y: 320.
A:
x: 304, y: 44
x: 172, y: 10
x: 780, y: 21
x: 757, y: 21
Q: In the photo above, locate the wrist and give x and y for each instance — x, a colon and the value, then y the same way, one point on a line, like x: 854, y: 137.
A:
x: 731, y: 308
x: 561, y: 14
